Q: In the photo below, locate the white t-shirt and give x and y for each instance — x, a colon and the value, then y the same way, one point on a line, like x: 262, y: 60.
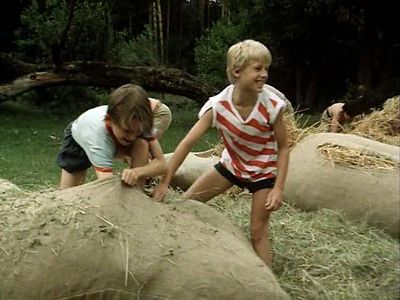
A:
x: 90, y: 132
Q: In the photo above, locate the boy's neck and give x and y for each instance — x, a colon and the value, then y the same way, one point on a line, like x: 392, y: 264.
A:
x: 244, y: 98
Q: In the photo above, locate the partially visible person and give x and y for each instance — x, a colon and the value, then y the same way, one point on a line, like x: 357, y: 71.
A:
x: 162, y: 117
x: 336, y: 115
x: 123, y: 128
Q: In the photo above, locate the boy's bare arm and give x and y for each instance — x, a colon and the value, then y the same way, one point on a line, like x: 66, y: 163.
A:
x: 334, y: 126
x: 283, y: 151
x: 157, y: 166
x: 183, y: 149
x: 274, y: 200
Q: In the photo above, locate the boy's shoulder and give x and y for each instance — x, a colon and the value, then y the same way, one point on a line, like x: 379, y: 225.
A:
x: 268, y: 95
x: 225, y: 94
x: 91, y: 121
x: 91, y: 115
x: 98, y: 110
x: 213, y: 101
x: 275, y: 91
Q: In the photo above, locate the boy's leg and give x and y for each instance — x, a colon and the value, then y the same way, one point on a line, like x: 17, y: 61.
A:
x: 207, y: 186
x: 259, y: 228
x: 72, y: 157
x: 72, y: 179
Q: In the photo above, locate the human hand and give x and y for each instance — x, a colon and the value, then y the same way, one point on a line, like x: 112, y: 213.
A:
x: 131, y: 176
x: 274, y: 200
x: 160, y: 191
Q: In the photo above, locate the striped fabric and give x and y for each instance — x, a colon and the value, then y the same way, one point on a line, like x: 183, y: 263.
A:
x: 250, y: 148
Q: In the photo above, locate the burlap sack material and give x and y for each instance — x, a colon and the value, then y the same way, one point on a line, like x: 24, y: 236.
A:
x: 369, y: 195
x: 104, y: 240
x: 6, y: 186
x: 194, y: 165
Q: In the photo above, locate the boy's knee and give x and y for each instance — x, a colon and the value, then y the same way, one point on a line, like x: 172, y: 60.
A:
x: 197, y: 196
x: 141, y: 143
x: 188, y: 195
x: 140, y: 147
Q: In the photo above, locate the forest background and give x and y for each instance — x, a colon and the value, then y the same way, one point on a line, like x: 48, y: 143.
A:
x: 322, y: 49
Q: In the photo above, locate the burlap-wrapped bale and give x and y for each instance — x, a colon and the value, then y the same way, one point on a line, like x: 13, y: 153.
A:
x: 6, y: 186
x: 107, y: 241
x: 195, y: 165
x: 372, y: 195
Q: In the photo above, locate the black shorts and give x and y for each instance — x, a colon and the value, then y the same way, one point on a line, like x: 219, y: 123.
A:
x: 71, y: 157
x: 251, y: 186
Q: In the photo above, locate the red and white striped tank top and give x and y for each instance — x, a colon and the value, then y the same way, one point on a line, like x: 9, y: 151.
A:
x: 250, y: 148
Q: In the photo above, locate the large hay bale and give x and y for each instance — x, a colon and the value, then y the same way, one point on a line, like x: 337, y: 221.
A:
x: 7, y: 186
x: 380, y: 125
x: 361, y: 192
x: 295, y: 130
x: 104, y: 240
x: 194, y: 165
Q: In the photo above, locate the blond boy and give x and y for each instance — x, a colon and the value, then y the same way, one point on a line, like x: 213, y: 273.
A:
x: 249, y: 119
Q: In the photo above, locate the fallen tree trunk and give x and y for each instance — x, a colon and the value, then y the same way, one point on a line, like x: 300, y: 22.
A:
x: 100, y: 74
x: 12, y: 68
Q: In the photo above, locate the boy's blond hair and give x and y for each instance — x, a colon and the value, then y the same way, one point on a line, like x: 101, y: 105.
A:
x: 240, y: 54
x: 130, y: 102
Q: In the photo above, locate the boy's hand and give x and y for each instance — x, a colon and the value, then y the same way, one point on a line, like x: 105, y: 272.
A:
x: 274, y: 200
x: 160, y: 191
x: 131, y: 176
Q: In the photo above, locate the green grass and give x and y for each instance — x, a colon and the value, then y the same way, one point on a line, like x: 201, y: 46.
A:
x: 29, y: 143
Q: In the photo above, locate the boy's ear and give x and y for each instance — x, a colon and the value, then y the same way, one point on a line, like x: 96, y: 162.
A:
x: 236, y: 73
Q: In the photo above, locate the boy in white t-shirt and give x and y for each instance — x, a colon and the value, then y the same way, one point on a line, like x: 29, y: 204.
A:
x: 123, y: 128
x: 249, y: 119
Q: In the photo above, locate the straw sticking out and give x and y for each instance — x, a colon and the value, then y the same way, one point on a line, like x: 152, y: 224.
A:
x: 381, y: 125
x: 337, y: 154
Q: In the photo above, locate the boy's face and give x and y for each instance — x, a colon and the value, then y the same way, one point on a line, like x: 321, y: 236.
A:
x: 126, y: 135
x: 252, y: 77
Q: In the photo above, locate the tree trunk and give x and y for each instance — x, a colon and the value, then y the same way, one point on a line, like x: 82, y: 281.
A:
x: 201, y: 16
x: 57, y: 49
x: 154, y: 25
x: 299, y: 86
x: 157, y: 79
x: 180, y: 33
x: 160, y: 30
x: 167, y: 30
x: 312, y: 87
x: 225, y: 10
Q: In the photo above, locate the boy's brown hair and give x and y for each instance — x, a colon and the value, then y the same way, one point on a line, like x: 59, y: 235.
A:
x: 130, y: 102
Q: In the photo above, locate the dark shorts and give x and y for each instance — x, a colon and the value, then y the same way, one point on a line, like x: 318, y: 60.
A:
x: 71, y: 157
x: 251, y: 186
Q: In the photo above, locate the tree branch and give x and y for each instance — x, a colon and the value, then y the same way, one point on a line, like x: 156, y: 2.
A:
x: 100, y: 74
